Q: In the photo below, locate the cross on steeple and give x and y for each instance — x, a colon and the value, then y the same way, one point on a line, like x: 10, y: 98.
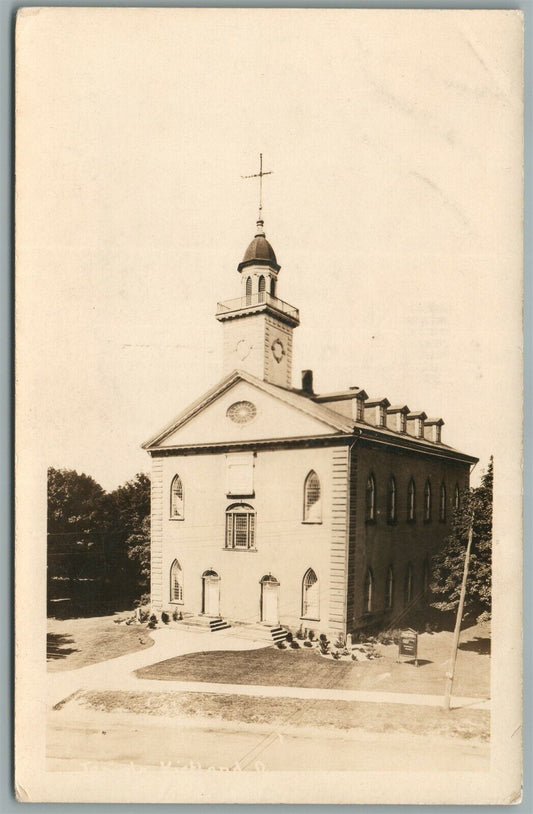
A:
x: 259, y: 175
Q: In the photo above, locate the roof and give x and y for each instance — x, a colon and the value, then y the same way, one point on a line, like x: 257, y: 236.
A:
x: 340, y: 423
x: 336, y: 421
x: 259, y: 251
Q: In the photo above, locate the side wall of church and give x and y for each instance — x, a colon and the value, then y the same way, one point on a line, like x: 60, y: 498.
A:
x: 285, y: 546
x: 381, y: 543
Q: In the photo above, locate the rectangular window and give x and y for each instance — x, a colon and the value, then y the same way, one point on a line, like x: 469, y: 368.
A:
x: 240, y: 474
x: 240, y: 530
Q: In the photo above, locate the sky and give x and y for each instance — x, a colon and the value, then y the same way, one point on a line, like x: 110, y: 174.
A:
x: 394, y: 209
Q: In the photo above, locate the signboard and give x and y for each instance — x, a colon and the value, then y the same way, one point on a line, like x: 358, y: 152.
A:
x: 408, y: 644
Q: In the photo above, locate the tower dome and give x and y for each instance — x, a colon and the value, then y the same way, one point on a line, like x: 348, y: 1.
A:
x: 259, y: 252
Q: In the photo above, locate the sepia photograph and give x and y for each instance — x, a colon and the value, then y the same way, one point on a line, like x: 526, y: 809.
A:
x: 268, y: 405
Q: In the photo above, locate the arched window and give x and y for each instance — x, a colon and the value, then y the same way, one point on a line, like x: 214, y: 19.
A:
x: 176, y: 582
x: 310, y: 595
x: 427, y: 502
x: 368, y: 592
x: 442, y: 504
x: 176, y: 499
x: 426, y: 577
x: 261, y: 288
x: 272, y: 287
x: 248, y: 290
x: 312, y: 499
x: 457, y: 498
x: 411, y: 504
x: 408, y: 590
x: 389, y: 589
x: 371, y: 499
x: 240, y: 526
x: 391, y: 501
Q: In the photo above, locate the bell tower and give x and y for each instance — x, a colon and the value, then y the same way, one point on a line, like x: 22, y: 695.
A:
x: 258, y: 325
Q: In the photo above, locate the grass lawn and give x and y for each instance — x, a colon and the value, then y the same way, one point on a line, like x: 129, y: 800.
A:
x: 306, y: 668
x: 291, y: 712
x: 73, y: 643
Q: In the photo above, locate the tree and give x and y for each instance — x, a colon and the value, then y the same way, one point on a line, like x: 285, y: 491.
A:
x: 138, y: 547
x: 75, y: 502
x: 98, y: 542
x: 127, y: 511
x: 447, y: 566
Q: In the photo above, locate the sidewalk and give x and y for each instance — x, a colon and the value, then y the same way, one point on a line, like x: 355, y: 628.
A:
x: 118, y: 675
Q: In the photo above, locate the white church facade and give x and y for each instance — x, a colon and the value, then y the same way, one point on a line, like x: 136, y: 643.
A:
x: 278, y: 505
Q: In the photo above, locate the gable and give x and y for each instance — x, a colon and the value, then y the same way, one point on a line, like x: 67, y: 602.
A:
x: 273, y: 418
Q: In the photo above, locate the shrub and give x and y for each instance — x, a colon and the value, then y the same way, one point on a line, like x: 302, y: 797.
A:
x: 300, y: 634
x: 281, y: 645
x: 152, y: 622
x: 339, y: 644
x: 324, y: 645
x: 312, y: 636
x: 165, y: 618
x: 288, y: 637
x: 323, y: 637
x: 308, y: 644
x: 144, y: 614
x: 175, y: 615
x: 336, y: 655
x: 295, y: 645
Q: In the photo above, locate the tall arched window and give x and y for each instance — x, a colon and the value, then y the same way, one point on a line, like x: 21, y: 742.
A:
x: 389, y: 589
x: 310, y: 595
x: 176, y: 499
x: 312, y: 499
x: 442, y: 504
x: 391, y: 502
x: 411, y: 504
x: 426, y: 577
x: 261, y: 288
x: 427, y: 502
x: 368, y: 592
x: 371, y: 499
x: 272, y: 287
x: 409, y: 588
x: 176, y: 582
x: 248, y: 290
x: 457, y: 498
x: 240, y: 526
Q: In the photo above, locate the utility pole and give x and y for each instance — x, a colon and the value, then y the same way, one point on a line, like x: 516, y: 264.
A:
x: 457, y: 631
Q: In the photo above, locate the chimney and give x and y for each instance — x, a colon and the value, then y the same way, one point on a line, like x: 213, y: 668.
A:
x: 307, y: 382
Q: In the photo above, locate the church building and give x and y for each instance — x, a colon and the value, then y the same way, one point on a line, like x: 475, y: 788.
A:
x: 275, y: 504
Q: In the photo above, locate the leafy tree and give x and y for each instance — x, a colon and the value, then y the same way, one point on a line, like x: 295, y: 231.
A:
x: 448, y: 564
x: 98, y: 542
x: 138, y: 547
x: 75, y: 502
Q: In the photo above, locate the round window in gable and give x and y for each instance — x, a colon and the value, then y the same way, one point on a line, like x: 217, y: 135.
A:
x: 241, y: 412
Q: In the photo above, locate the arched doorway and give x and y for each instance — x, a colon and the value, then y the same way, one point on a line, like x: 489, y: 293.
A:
x: 211, y: 593
x: 269, y: 599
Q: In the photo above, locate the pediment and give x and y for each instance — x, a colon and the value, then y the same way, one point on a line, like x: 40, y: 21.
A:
x: 245, y: 409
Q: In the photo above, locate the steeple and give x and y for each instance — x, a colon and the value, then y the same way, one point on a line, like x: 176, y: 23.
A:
x: 258, y: 325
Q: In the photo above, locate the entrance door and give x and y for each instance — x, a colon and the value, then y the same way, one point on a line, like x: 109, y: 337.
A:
x: 269, y: 600
x: 211, y: 594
